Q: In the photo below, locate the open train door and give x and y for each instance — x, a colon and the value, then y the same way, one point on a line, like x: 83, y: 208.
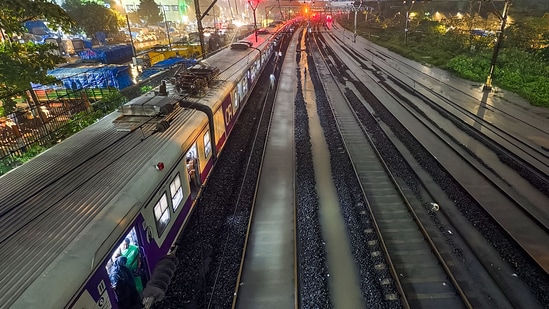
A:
x: 135, y: 263
x: 193, y: 170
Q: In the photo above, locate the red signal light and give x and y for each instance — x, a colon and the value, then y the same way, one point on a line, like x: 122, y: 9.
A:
x: 159, y: 166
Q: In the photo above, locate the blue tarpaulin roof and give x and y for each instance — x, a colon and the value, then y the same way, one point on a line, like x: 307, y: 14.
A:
x: 108, y: 54
x: 166, y: 64
x: 91, y: 77
x: 34, y: 24
x: 170, y: 62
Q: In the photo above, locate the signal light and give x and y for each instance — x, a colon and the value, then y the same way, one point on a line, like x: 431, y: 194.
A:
x: 159, y: 166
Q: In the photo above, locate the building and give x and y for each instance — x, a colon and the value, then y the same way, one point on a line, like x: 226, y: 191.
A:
x: 179, y: 11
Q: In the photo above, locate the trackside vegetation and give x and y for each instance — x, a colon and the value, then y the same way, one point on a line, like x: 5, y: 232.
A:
x: 456, y: 43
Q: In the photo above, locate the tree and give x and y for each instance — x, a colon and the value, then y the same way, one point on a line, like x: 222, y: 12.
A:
x: 149, y: 12
x: 23, y: 63
x: 13, y: 13
x: 527, y: 32
x: 92, y: 18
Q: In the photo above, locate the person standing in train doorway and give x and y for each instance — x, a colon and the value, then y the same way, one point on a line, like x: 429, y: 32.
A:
x: 133, y: 263
x: 124, y: 285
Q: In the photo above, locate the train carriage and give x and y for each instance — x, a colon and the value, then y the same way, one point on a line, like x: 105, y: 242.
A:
x: 134, y: 175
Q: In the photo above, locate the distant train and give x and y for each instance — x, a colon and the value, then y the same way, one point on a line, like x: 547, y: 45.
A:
x: 124, y: 186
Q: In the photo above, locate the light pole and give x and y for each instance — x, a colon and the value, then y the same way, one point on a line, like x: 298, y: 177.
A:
x: 123, y: 11
x: 167, y: 28
x: 131, y: 37
x: 255, y: 20
x: 407, y: 20
x: 356, y: 8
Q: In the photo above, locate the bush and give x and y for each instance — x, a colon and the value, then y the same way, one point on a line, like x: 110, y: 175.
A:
x: 76, y: 123
x: 146, y: 89
x: 516, y: 71
x: 523, y: 72
x: 9, y: 163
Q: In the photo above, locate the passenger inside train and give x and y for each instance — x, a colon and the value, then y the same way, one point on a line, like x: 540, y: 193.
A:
x: 124, y: 285
x: 192, y: 170
x: 132, y: 263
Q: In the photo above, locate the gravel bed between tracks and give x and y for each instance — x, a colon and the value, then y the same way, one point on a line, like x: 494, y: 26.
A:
x: 525, y: 267
x: 211, y: 245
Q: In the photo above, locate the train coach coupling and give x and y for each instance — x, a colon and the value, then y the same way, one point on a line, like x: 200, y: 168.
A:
x: 160, y: 280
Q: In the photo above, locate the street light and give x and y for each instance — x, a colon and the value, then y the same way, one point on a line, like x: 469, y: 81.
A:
x: 123, y: 11
x: 407, y: 20
x: 250, y: 2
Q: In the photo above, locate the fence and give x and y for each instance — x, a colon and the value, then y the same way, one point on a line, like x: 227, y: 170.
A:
x: 42, y: 117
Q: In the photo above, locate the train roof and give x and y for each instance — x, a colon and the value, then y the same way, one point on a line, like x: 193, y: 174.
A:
x: 63, y: 211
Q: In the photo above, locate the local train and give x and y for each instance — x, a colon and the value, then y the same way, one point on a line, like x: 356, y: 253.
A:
x: 127, y: 182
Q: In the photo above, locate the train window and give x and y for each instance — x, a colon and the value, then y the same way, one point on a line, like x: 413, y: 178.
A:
x: 161, y: 214
x: 252, y: 71
x: 243, y: 86
x: 241, y: 91
x: 176, y: 191
x: 257, y: 68
x: 235, y: 100
x: 207, y: 144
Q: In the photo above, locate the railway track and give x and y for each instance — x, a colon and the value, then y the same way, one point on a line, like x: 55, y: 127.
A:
x: 423, y: 277
x: 394, y: 114
x: 440, y: 92
x: 449, y: 229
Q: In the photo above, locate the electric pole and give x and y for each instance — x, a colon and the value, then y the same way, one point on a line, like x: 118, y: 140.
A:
x: 503, y: 17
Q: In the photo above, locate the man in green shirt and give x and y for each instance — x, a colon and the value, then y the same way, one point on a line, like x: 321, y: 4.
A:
x: 131, y: 252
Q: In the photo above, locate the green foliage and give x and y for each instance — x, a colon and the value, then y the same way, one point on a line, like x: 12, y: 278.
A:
x: 146, y: 89
x: 472, y: 68
x: 517, y: 71
x: 75, y: 124
x: 111, y: 102
x: 78, y: 122
x: 13, y: 13
x: 6, y: 164
x: 9, y: 163
x: 527, y: 33
x: 9, y: 104
x: 33, y: 151
x: 92, y: 17
x: 544, y: 52
x: 522, y: 66
x: 81, y: 120
x: 23, y: 63
x: 150, y: 12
